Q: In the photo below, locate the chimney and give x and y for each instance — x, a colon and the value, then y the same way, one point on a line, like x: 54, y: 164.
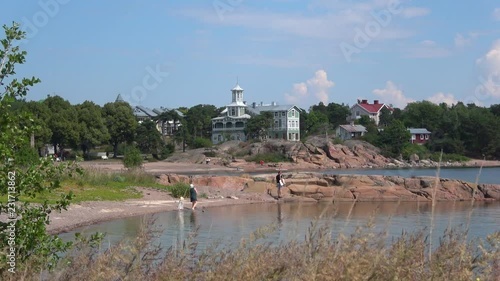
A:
x: 375, y: 102
x: 253, y: 104
x: 245, y: 102
x: 261, y: 103
x: 359, y: 101
x: 273, y: 103
x: 364, y: 101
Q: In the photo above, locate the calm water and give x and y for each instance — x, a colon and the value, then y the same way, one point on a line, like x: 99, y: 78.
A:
x: 233, y: 223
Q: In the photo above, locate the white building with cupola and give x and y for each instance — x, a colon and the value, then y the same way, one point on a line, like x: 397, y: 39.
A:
x: 231, y: 123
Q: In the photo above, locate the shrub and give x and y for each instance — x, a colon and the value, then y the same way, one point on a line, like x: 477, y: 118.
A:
x: 179, y: 189
x: 132, y: 157
x: 274, y: 157
x: 202, y: 142
x: 26, y: 156
x: 448, y: 157
x: 411, y: 149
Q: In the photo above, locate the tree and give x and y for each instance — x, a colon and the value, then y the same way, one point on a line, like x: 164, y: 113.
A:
x: 315, y: 122
x: 394, y: 138
x: 63, y: 122
x: 167, y: 116
x: 23, y: 235
x: 40, y: 114
x: 121, y: 123
x: 148, y: 139
x: 92, y: 128
x: 337, y: 114
x: 199, y: 120
x: 259, y: 125
x: 386, y: 117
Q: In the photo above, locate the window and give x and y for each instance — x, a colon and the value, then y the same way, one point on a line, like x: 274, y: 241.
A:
x: 283, y: 114
x: 421, y: 136
x: 276, y: 114
x: 426, y: 137
x: 357, y: 113
x: 233, y: 113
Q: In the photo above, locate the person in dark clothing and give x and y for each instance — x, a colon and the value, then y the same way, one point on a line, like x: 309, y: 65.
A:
x: 193, y: 194
x: 280, y: 182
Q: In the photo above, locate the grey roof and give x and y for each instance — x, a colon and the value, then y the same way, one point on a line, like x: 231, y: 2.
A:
x: 260, y: 108
x: 144, y: 110
x: 119, y: 98
x: 237, y: 88
x: 163, y: 109
x: 418, y: 131
x: 354, y: 128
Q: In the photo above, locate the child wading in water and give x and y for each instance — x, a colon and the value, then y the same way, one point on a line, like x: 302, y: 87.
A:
x: 193, y: 194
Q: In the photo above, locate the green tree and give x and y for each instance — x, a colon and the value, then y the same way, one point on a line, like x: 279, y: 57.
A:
x: 148, y: 139
x: 394, y: 138
x: 121, y: 123
x: 316, y: 122
x: 199, y: 120
x: 132, y: 157
x: 167, y: 116
x: 93, y: 130
x: 31, y: 244
x: 337, y: 114
x: 63, y: 122
x: 259, y: 125
x: 386, y: 117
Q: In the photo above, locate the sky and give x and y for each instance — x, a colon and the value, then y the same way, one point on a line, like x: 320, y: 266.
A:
x: 184, y: 53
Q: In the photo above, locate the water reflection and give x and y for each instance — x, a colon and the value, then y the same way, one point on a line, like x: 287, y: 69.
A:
x: 230, y: 224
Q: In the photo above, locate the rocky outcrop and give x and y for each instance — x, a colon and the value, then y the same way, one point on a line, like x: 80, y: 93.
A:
x: 352, y: 187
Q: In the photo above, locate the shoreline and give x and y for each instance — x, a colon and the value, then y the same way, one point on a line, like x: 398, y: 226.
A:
x: 156, y: 201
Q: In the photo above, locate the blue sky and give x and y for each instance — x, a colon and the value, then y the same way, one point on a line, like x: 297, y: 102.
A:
x: 183, y: 53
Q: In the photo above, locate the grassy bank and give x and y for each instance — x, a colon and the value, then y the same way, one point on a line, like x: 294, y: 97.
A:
x: 95, y: 185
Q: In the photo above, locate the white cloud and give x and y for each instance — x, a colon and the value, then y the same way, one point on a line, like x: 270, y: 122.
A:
x: 461, y: 41
x: 317, y: 86
x: 427, y: 49
x: 496, y: 14
x: 441, y: 97
x: 489, y: 81
x: 413, y: 12
x: 392, y: 95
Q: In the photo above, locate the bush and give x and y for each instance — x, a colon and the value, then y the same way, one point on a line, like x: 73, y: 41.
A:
x: 202, y: 142
x: 274, y: 157
x: 448, y: 157
x: 26, y: 156
x: 132, y: 157
x: 167, y: 150
x: 411, y: 149
x: 179, y: 189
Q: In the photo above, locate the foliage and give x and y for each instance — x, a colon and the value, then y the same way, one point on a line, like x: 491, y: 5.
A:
x: 148, y: 139
x: 121, y: 123
x: 202, y: 142
x: 132, y: 157
x: 420, y: 150
x: 26, y: 156
x: 62, y: 122
x: 93, y: 130
x: 394, y: 138
x: 31, y: 245
x: 167, y: 150
x: 199, y: 120
x: 273, y: 157
x: 448, y: 157
x: 179, y: 190
x: 258, y: 126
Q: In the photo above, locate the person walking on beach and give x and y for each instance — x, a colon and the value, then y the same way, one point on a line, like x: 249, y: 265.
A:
x: 193, y: 194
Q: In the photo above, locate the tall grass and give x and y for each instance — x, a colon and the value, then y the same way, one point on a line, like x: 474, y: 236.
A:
x: 96, y: 177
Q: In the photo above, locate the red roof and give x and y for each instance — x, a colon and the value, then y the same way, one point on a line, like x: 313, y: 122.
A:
x: 372, y: 108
